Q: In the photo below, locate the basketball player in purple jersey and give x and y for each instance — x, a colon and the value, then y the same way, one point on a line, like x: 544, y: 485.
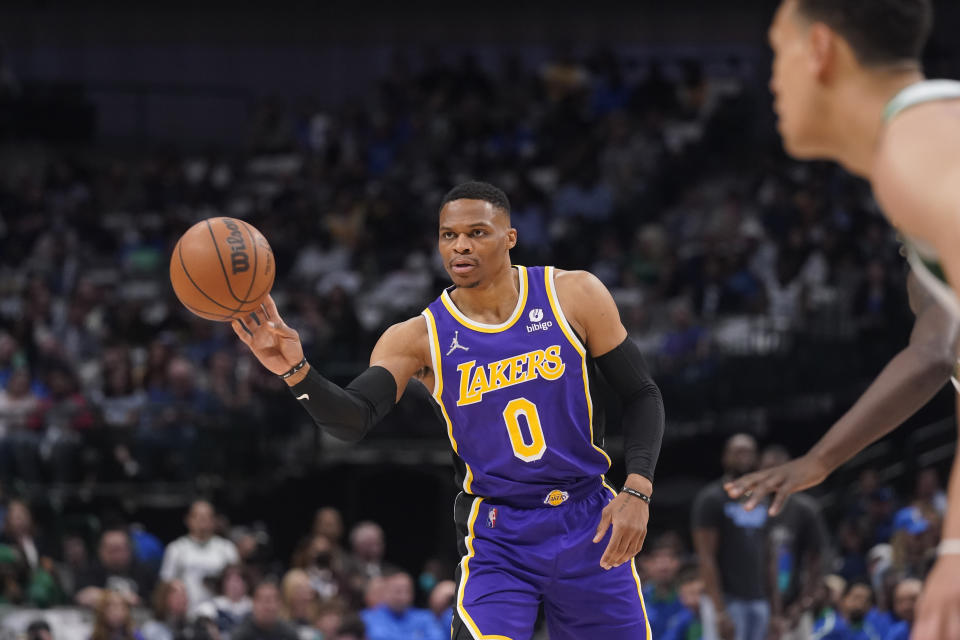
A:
x: 849, y: 87
x: 509, y: 354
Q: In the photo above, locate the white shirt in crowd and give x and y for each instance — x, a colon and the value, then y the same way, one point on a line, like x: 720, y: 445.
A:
x: 191, y: 561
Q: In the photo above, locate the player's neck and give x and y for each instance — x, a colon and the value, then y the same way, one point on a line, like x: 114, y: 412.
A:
x: 491, y: 302
x: 859, y: 117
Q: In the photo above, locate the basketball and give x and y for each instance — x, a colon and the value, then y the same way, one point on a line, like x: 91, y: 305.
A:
x: 222, y: 268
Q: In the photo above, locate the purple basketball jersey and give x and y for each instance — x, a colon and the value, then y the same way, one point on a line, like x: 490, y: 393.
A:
x: 516, y: 396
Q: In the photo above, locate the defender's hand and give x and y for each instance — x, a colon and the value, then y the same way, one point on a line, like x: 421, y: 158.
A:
x: 938, y: 612
x: 629, y: 516
x: 783, y: 480
x: 275, y: 345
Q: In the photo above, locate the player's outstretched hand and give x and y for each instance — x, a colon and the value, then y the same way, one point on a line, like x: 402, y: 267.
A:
x: 938, y: 611
x: 628, y: 516
x: 275, y: 345
x: 783, y: 481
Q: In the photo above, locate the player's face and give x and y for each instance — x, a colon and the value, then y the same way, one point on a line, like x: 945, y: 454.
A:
x: 475, y: 241
x: 794, y: 81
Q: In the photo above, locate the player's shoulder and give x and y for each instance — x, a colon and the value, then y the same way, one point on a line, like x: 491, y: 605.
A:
x: 919, y: 145
x: 409, y: 334
x: 578, y: 283
x: 916, y: 170
x: 410, y: 328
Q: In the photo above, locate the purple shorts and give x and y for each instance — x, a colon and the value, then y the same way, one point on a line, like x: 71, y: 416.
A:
x: 515, y: 557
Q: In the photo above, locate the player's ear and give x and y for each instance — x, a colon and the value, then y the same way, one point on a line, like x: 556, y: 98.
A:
x: 511, y: 238
x: 823, y: 48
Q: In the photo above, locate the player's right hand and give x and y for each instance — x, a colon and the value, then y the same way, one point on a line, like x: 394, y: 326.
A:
x: 783, y: 481
x: 275, y: 345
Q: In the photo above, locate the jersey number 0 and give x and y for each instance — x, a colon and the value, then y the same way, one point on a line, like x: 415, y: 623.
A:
x: 531, y: 450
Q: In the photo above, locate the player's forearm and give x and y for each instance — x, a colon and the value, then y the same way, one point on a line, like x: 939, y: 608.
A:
x: 904, y: 386
x: 347, y: 414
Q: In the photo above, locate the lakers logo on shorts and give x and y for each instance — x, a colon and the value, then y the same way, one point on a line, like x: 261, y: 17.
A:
x: 556, y: 497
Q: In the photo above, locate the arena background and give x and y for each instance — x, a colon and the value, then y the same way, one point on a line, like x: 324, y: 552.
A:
x: 246, y: 109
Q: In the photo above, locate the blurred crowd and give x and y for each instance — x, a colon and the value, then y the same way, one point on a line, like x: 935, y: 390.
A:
x: 747, y: 575
x: 216, y: 582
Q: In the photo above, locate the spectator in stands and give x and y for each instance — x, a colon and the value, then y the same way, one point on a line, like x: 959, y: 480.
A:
x: 17, y: 403
x: 330, y: 616
x: 442, y: 598
x: 264, y: 622
x: 319, y: 564
x: 170, y: 421
x: 396, y: 618
x: 913, y: 542
x: 75, y: 562
x: 366, y: 559
x: 661, y: 562
x: 850, y: 622
x: 851, y: 564
x: 798, y: 542
x: 329, y: 523
x: 299, y: 602
x: 929, y: 495
x: 170, y: 614
x: 34, y: 556
x: 905, y: 598
x: 112, y: 620
x: 198, y: 555
x: 233, y: 604
x: 59, y: 422
x: 687, y: 623
x: 115, y: 570
x: 731, y: 546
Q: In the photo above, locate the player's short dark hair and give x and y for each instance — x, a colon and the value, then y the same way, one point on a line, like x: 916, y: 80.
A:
x: 478, y: 191
x: 880, y: 32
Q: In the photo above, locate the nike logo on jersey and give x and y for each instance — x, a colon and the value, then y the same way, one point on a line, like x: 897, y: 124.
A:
x: 456, y: 344
x: 476, y: 381
x: 305, y: 396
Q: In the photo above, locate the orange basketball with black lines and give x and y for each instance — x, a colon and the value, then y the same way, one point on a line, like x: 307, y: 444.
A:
x: 222, y: 268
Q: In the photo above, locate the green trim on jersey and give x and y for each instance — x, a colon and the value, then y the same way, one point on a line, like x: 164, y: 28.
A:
x: 919, y: 93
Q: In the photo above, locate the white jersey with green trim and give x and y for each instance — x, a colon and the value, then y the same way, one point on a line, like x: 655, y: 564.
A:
x: 923, y: 259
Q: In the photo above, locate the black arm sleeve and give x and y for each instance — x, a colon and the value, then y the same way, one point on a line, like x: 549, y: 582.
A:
x: 643, y: 420
x: 347, y: 414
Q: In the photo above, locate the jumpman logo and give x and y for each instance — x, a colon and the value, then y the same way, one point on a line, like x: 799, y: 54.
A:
x: 456, y: 344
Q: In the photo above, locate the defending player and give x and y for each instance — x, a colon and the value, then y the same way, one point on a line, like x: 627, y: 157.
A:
x: 509, y: 353
x: 848, y: 87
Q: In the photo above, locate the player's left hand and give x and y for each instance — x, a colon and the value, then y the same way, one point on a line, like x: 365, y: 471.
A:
x: 628, y: 516
x: 938, y: 612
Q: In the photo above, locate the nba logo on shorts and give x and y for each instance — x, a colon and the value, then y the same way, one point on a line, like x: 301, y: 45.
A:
x: 492, y: 518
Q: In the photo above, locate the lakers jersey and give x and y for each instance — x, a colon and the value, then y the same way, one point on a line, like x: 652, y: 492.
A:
x: 516, y: 396
x: 923, y: 259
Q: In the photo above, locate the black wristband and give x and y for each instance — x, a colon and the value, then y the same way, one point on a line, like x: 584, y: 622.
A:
x: 636, y: 494
x: 294, y: 369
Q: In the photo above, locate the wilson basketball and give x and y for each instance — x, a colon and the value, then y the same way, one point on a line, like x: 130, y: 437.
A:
x: 222, y: 268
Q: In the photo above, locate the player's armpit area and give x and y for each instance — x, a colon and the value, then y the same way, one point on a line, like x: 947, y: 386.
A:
x: 404, y: 351
x: 347, y: 414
